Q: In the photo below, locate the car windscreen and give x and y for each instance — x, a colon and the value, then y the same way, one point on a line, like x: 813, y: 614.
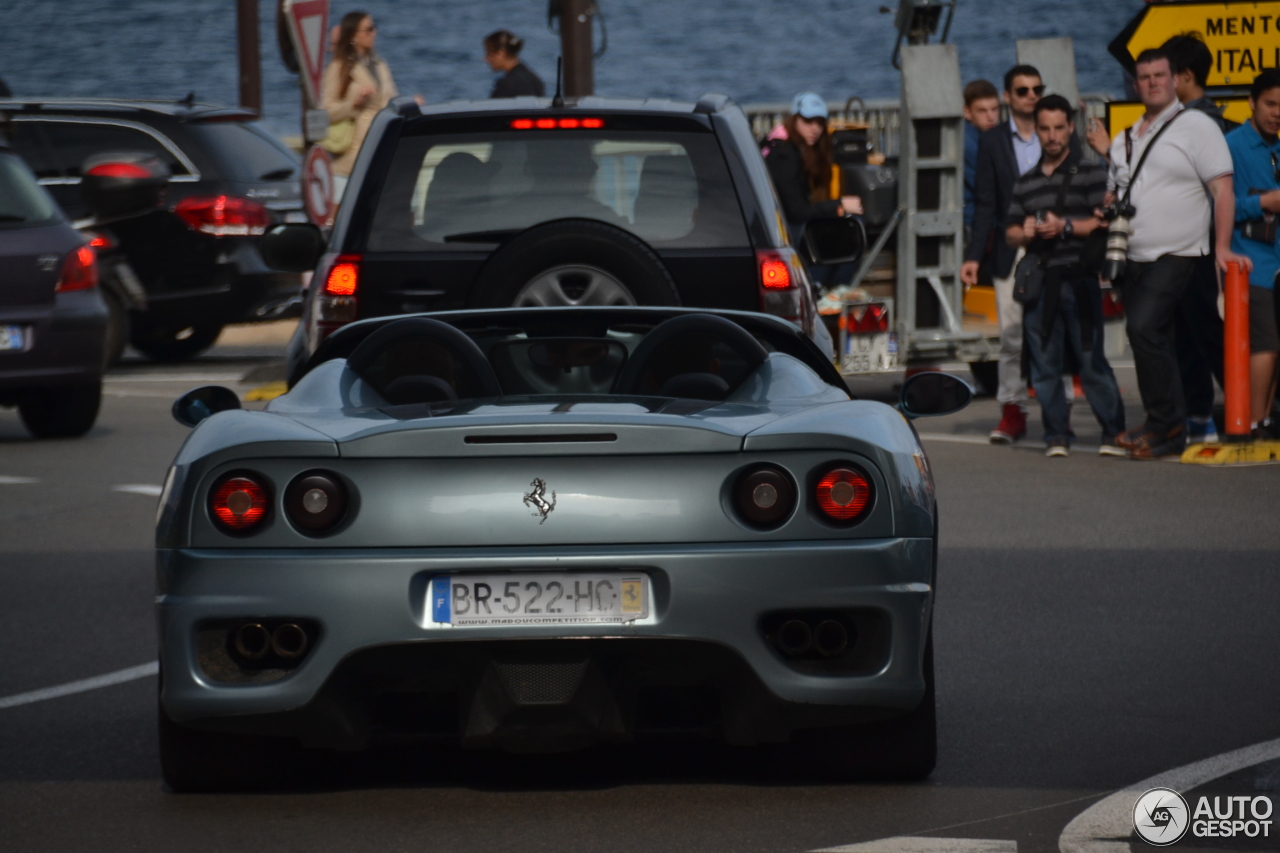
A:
x: 470, y: 192
x: 246, y: 152
x: 23, y: 202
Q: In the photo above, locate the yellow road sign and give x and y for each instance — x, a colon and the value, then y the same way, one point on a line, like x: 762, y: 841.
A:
x: 1122, y: 115
x: 1244, y: 36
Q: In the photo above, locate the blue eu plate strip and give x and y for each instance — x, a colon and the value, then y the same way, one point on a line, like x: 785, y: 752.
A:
x: 440, y: 595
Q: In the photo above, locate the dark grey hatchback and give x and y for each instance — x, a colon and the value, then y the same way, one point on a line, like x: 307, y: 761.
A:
x: 53, y: 321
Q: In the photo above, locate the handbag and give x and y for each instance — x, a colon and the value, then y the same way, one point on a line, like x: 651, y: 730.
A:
x: 340, y: 136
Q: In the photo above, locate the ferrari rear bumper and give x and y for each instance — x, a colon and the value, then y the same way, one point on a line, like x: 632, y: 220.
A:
x: 368, y: 616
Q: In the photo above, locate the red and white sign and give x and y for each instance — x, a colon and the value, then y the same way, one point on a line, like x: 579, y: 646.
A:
x: 317, y: 186
x: 309, y: 28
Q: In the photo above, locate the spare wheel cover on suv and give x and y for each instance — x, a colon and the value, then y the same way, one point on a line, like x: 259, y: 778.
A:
x: 573, y: 262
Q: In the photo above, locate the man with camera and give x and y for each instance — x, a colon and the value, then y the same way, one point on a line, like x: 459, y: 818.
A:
x: 1053, y: 211
x: 1160, y: 214
x: 1255, y: 151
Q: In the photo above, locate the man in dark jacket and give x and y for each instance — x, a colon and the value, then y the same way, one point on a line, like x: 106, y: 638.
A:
x: 1005, y: 152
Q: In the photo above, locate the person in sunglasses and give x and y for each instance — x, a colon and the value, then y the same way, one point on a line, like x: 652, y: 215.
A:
x: 1005, y: 153
x: 1255, y: 153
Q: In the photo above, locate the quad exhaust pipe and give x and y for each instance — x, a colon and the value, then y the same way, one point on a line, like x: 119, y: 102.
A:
x: 253, y: 641
x: 830, y: 638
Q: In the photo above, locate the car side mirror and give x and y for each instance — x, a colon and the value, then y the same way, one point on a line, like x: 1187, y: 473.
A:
x: 293, y: 247
x: 199, y: 403
x: 123, y: 183
x: 930, y: 394
x: 834, y: 241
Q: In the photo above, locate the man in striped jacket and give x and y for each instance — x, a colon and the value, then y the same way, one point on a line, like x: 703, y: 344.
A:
x: 1055, y: 207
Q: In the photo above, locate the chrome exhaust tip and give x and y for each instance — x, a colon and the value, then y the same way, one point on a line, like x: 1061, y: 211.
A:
x: 252, y: 641
x: 289, y: 641
x: 795, y: 637
x: 830, y: 638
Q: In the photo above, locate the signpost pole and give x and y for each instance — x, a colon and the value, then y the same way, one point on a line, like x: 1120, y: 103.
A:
x: 249, y: 55
x: 308, y: 24
x: 575, y: 46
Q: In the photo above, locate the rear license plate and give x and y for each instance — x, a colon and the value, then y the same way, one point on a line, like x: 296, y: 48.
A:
x: 539, y: 599
x: 869, y: 353
x: 295, y: 216
x: 13, y: 337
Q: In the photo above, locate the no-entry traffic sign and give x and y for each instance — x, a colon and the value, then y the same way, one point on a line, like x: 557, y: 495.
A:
x: 317, y: 186
x: 308, y: 27
x: 1244, y: 37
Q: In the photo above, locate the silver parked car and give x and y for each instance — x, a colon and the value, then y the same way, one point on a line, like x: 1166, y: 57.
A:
x: 541, y: 529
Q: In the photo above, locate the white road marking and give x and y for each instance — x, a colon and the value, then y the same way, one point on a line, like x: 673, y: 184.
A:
x: 139, y: 489
x: 918, y: 844
x: 1107, y: 825
x: 17, y: 481
x: 120, y: 676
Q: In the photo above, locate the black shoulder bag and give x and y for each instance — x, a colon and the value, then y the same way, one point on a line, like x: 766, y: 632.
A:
x: 1033, y: 269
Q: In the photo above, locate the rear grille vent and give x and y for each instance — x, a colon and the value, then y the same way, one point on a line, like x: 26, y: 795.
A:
x: 541, y: 683
x: 557, y: 438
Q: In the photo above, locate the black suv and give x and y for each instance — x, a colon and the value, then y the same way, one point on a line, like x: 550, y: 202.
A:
x: 195, y: 266
x: 530, y: 202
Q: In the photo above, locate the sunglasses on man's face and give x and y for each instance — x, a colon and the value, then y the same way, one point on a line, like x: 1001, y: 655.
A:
x: 1023, y: 91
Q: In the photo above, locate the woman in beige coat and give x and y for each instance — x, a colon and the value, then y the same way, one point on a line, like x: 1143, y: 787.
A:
x: 357, y: 84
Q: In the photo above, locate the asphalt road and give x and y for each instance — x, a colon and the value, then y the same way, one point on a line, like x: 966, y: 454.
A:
x: 1098, y: 621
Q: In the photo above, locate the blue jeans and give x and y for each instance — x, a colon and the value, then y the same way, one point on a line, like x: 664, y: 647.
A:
x: 1048, y: 360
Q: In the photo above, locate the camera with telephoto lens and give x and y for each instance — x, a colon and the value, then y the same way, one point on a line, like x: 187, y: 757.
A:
x: 1117, y: 213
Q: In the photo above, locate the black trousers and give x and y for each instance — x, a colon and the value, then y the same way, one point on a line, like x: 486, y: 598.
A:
x: 1152, y: 295
x: 1199, y: 338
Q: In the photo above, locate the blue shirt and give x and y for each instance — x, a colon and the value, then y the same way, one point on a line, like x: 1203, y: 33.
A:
x: 1027, y: 152
x: 971, y: 135
x: 1251, y: 156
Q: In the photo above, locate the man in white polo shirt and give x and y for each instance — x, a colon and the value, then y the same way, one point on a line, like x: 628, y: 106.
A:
x: 1189, y: 166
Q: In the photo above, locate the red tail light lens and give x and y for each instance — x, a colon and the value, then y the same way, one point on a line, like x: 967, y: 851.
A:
x: 873, y: 317
x: 99, y: 241
x: 336, y: 303
x: 780, y: 280
x: 119, y: 170
x: 223, y: 215
x: 843, y: 494
x: 239, y: 503
x: 775, y: 274
x: 79, y: 271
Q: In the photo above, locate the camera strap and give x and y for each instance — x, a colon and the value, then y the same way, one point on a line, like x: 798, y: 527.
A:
x: 1146, y: 152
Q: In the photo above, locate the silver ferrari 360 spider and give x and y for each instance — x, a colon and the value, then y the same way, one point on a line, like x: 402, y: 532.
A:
x: 541, y: 529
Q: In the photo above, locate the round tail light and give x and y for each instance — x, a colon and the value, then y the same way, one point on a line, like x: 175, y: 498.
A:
x: 843, y: 494
x: 316, y: 501
x: 239, y: 503
x: 765, y: 496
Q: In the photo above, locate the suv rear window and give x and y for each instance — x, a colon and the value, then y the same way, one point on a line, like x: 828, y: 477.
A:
x: 468, y: 192
x: 245, y: 152
x: 23, y: 202
x: 75, y: 140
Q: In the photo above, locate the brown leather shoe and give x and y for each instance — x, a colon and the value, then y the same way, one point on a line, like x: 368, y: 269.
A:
x: 1156, y: 445
x: 1130, y: 438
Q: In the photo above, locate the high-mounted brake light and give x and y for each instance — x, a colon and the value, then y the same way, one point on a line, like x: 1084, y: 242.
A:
x: 238, y: 503
x: 843, y: 494
x: 119, y: 170
x: 553, y: 123
x: 223, y: 215
x: 79, y: 271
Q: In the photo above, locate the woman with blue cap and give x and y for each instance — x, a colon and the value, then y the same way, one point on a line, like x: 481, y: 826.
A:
x: 800, y: 165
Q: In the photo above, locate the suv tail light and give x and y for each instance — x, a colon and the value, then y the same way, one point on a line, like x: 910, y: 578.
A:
x: 843, y: 494
x: 223, y: 215
x: 782, y: 283
x: 239, y: 503
x: 336, y: 301
x: 79, y: 271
